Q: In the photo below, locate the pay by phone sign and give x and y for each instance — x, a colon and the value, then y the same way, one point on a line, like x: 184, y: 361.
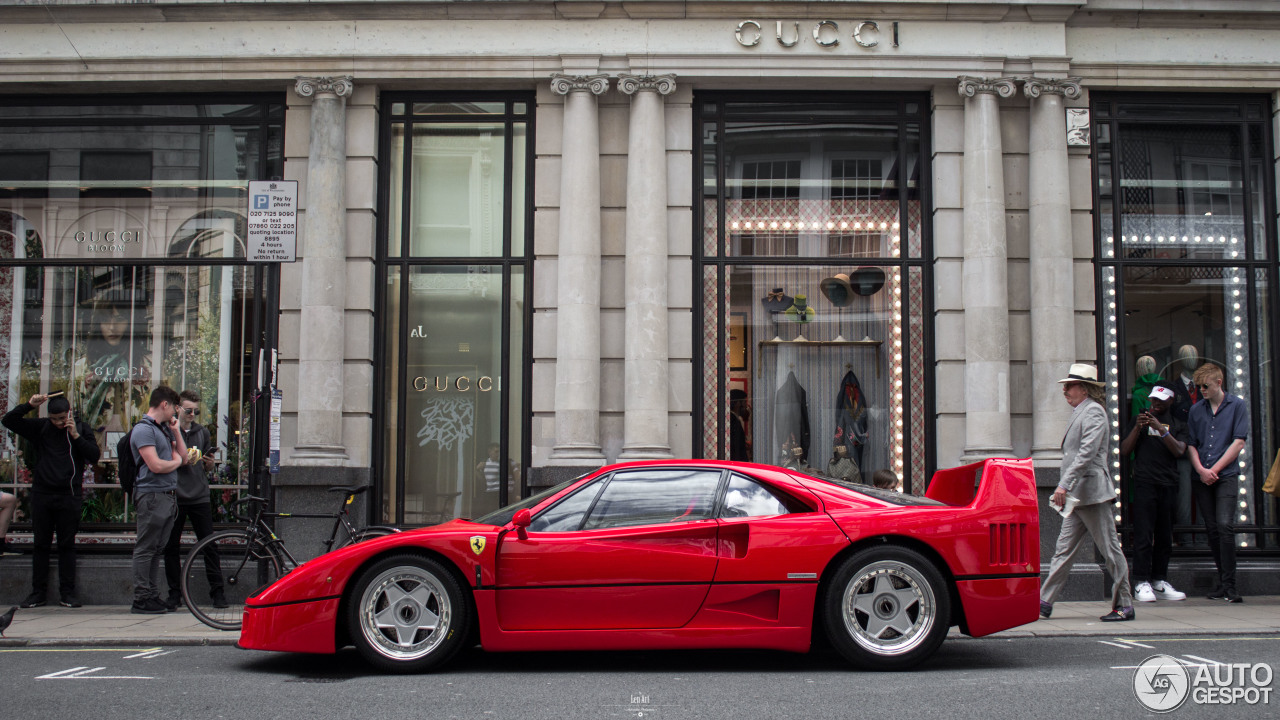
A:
x: 273, y: 220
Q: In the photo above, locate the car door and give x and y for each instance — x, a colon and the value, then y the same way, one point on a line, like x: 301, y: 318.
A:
x: 769, y: 536
x: 635, y: 550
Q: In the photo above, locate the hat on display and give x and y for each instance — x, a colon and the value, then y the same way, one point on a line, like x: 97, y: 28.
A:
x: 776, y: 300
x: 801, y: 311
x: 867, y: 280
x: 1083, y: 373
x: 838, y: 290
x: 1160, y: 392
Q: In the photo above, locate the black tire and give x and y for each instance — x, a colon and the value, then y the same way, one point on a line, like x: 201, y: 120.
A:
x: 887, y: 608
x: 369, y: 533
x: 406, y: 613
x: 231, y: 563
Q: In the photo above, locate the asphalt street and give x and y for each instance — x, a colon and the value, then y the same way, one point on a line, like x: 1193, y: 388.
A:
x: 990, y: 678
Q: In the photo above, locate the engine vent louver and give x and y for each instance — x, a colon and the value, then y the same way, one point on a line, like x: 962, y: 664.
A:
x: 1008, y: 544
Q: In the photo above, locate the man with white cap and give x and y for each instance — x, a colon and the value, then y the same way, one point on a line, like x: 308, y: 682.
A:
x: 1085, y: 479
x: 1156, y: 440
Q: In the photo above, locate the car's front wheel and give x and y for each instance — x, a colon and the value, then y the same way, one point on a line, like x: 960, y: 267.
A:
x: 407, y: 613
x: 887, y: 608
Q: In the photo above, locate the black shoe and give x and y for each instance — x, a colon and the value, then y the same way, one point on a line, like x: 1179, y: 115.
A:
x: 1046, y: 609
x: 1219, y: 593
x: 174, y: 602
x: 150, y: 606
x: 169, y: 605
x: 1119, y: 615
x: 1233, y: 596
x: 34, y: 600
x: 70, y: 600
x: 219, y: 599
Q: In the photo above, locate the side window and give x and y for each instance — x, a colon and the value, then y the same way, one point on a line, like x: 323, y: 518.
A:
x: 748, y: 498
x: 654, y: 497
x: 566, y: 515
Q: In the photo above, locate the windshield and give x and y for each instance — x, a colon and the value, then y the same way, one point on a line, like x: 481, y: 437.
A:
x: 503, y: 516
x: 889, y: 496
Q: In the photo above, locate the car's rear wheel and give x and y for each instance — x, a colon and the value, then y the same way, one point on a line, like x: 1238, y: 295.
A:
x: 407, y: 613
x: 887, y: 608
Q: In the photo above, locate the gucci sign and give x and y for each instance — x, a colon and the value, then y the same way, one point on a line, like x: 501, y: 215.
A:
x: 460, y: 383
x: 826, y: 33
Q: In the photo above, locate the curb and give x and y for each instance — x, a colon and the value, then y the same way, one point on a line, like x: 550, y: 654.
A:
x: 123, y: 642
x: 1123, y: 632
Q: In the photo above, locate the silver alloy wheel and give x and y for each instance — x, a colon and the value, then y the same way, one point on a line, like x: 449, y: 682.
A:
x: 889, y: 608
x: 405, y: 613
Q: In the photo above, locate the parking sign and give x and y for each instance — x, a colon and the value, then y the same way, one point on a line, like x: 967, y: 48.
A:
x: 273, y: 221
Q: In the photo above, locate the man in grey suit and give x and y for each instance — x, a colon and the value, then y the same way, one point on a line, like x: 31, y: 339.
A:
x: 1085, y: 480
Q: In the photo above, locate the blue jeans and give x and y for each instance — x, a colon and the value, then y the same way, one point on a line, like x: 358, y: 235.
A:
x: 156, y: 511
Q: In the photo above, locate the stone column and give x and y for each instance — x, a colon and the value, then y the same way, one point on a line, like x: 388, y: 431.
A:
x: 324, y: 276
x: 646, y: 362
x: 577, y: 403
x: 1053, y: 344
x: 986, y: 282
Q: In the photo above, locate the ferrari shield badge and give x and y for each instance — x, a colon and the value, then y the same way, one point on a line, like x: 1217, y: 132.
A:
x: 477, y: 544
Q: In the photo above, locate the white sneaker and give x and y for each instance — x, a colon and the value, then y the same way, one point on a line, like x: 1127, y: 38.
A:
x: 1165, y: 591
x: 1143, y: 593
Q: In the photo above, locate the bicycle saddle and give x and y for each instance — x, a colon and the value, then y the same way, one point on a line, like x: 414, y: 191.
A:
x: 351, y: 489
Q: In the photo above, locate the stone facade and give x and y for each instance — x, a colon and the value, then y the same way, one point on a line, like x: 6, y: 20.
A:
x: 614, y: 306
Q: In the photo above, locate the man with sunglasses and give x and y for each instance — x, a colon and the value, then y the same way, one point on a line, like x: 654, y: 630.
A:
x: 193, y: 503
x: 1219, y: 425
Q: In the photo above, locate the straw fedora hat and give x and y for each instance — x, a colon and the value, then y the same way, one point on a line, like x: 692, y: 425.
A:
x: 838, y: 290
x: 1083, y: 373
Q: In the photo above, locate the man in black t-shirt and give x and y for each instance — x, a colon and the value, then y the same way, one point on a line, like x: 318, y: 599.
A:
x: 1157, y: 439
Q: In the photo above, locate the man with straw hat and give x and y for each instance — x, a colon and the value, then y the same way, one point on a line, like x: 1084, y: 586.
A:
x: 1085, y: 494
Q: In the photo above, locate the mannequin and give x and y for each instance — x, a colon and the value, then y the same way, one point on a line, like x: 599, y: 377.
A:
x: 1147, y: 379
x: 842, y: 466
x: 1185, y: 395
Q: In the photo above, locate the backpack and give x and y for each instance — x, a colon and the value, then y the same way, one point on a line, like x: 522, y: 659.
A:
x: 127, y: 468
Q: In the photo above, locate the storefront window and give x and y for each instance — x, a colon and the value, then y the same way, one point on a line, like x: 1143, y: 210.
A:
x: 816, y: 301
x: 454, y: 351
x: 1185, y: 283
x: 122, y: 268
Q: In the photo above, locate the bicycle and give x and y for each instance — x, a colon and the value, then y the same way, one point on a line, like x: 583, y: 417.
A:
x: 225, y: 568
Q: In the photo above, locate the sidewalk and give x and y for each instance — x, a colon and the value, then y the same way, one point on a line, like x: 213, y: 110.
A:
x: 114, y: 625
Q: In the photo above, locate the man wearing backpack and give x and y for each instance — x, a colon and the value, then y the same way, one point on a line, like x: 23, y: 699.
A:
x: 65, y: 447
x: 159, y: 451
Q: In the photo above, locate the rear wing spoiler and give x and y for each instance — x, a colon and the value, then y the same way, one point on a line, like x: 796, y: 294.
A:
x: 997, y: 482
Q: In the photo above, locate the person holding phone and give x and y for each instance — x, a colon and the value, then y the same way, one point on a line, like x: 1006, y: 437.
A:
x: 1157, y: 440
x: 159, y: 450
x: 65, y: 446
x: 193, y: 503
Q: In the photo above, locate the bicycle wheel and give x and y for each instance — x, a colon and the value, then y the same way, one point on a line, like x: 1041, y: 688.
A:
x: 223, y: 570
x: 369, y: 533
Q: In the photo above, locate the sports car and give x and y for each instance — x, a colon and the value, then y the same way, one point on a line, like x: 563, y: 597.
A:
x: 680, y: 554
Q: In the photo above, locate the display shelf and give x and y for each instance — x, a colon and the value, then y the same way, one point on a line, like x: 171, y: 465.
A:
x: 760, y: 346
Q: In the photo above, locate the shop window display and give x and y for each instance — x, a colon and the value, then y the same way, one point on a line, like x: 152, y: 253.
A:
x: 815, y: 300
x: 1182, y: 231
x: 122, y: 266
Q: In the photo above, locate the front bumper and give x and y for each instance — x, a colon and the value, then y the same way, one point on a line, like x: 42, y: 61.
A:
x: 307, y: 627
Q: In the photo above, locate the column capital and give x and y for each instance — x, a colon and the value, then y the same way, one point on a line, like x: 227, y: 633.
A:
x: 340, y: 86
x: 632, y: 84
x: 562, y: 84
x: 970, y: 86
x: 1066, y: 87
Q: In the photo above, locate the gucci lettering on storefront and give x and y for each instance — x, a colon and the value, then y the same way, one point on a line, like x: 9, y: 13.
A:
x: 107, y: 241
x: 456, y: 383
x: 826, y: 33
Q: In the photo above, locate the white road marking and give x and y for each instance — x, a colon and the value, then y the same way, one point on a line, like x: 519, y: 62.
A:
x: 86, y: 673
x: 1203, y: 660
x: 148, y: 651
x: 1108, y: 642
x: 1137, y: 644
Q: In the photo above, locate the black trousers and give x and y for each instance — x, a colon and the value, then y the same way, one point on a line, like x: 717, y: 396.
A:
x: 1217, y: 506
x: 201, y: 516
x: 54, y: 514
x: 1154, y: 507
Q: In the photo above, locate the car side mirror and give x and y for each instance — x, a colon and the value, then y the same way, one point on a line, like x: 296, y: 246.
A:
x: 522, y: 518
